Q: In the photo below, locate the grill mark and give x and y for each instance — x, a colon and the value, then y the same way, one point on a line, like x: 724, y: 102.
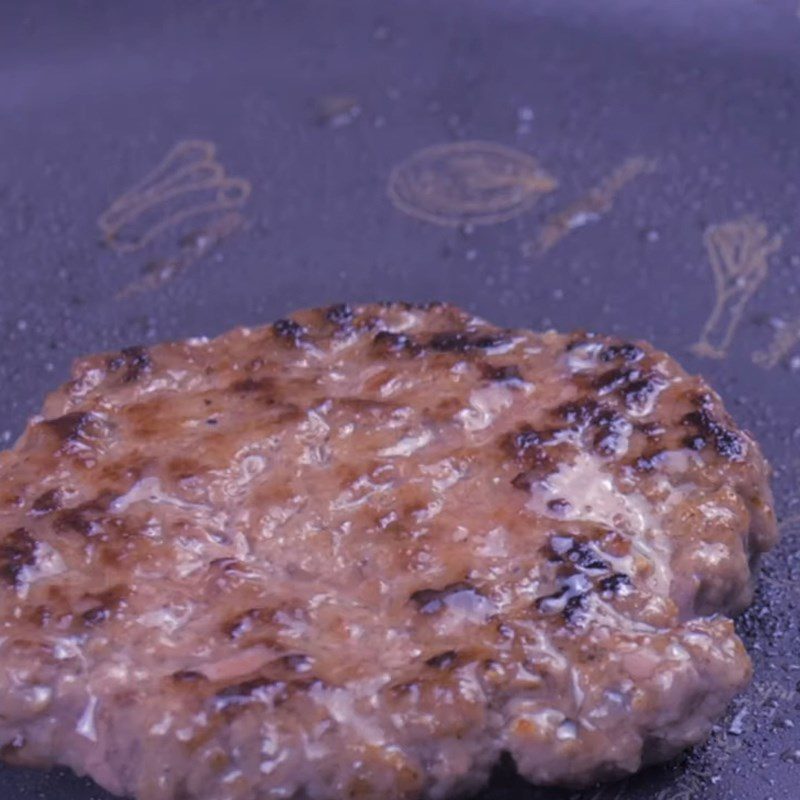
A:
x: 75, y: 519
x: 443, y: 660
x: 249, y: 385
x: 633, y: 386
x: 584, y: 556
x: 70, y: 427
x: 430, y: 601
x: 17, y: 551
x: 522, y: 481
x: 47, y: 502
x: 708, y: 430
x: 508, y: 373
x: 570, y: 600
x: 612, y: 429
x: 615, y: 379
x: 107, y: 602
x: 637, y: 393
x: 532, y: 450
x: 390, y: 342
x: 576, y: 610
x: 524, y: 441
x: 85, y: 518
x: 261, y: 690
x: 580, y: 412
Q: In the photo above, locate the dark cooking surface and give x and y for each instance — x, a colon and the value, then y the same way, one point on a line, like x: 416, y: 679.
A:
x: 314, y: 103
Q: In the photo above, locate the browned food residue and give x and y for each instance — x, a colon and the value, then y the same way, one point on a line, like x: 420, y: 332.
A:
x: 599, y: 200
x: 738, y: 252
x: 479, y: 183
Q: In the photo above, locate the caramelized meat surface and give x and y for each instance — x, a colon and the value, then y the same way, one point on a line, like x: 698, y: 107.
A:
x: 362, y: 552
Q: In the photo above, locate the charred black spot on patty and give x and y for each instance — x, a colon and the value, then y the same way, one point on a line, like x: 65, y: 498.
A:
x: 465, y: 342
x: 508, y: 373
x: 289, y: 331
x: 650, y: 460
x: 614, y: 584
x: 429, y: 601
x: 340, y: 315
x: 70, y: 427
x: 708, y: 430
x: 576, y: 609
x: 585, y: 557
x: 17, y: 551
x: 86, y: 518
x: 296, y: 662
x: 443, y: 660
x: 578, y: 412
x: 391, y: 342
x: 46, y: 502
x: 626, y: 351
x: 246, y: 692
x: 135, y: 361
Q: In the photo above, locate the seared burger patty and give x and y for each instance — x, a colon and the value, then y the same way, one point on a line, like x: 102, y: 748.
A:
x: 362, y: 552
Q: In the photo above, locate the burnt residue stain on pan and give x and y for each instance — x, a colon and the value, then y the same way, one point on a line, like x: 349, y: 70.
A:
x: 738, y: 252
x: 467, y: 183
x: 597, y: 201
x: 188, y: 185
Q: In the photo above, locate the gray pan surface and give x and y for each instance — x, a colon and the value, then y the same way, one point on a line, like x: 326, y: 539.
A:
x: 671, y: 127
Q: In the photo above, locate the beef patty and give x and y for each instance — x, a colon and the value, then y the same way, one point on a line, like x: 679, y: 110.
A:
x: 364, y: 551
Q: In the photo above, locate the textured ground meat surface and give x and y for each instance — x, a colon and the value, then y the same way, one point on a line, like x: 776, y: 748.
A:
x: 362, y: 552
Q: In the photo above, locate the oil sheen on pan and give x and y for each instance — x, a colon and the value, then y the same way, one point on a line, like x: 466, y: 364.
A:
x: 478, y: 183
x: 366, y: 550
